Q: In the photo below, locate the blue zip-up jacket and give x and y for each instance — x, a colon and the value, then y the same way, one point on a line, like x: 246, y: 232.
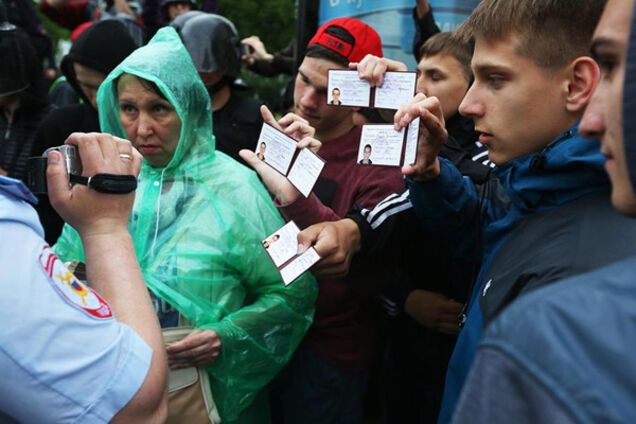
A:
x: 563, y: 353
x: 569, y: 168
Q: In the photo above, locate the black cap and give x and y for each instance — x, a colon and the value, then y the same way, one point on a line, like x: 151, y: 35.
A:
x: 15, y: 50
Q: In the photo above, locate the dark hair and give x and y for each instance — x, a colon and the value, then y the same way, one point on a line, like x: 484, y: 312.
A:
x: 551, y: 32
x: 334, y: 89
x: 319, y: 52
x: 450, y: 44
x: 369, y: 146
x: 148, y: 85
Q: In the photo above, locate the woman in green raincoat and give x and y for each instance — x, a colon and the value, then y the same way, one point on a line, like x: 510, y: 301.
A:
x: 197, y: 225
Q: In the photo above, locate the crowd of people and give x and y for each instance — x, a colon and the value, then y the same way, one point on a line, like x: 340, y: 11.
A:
x: 489, y: 281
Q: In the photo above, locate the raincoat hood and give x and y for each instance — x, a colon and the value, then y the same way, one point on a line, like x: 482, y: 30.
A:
x: 166, y: 62
x: 197, y: 226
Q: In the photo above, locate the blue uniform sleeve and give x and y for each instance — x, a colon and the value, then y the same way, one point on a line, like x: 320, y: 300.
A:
x: 64, y: 357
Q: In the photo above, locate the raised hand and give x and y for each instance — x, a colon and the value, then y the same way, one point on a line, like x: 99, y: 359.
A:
x: 431, y: 137
x: 276, y: 183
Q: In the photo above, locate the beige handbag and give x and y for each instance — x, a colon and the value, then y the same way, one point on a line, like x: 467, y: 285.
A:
x: 189, y: 395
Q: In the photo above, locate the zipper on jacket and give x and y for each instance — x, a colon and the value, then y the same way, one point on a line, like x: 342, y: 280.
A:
x: 7, y: 132
x: 537, y: 162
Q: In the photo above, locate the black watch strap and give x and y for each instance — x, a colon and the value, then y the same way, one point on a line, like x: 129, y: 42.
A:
x: 108, y: 183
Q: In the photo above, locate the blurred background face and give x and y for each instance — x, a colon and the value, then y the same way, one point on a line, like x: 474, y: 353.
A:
x: 176, y: 9
x: 89, y: 81
x: 603, y: 118
x: 442, y: 76
x: 151, y: 123
x: 210, y: 78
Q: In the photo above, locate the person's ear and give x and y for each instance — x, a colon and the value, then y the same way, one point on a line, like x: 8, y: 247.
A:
x: 583, y: 78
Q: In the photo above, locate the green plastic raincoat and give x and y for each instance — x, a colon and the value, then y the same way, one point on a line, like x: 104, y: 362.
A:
x: 197, y: 226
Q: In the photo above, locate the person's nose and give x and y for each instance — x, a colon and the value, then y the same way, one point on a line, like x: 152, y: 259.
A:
x: 471, y: 106
x: 92, y: 97
x: 421, y: 86
x: 144, y: 125
x: 593, y: 124
x: 310, y: 98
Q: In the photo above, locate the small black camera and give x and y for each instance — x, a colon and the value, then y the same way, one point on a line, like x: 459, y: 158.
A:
x: 36, y: 167
x: 246, y: 49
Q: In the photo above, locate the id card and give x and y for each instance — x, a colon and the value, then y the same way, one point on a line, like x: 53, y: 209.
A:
x: 282, y: 248
x: 381, y: 145
x: 345, y: 88
x: 278, y: 150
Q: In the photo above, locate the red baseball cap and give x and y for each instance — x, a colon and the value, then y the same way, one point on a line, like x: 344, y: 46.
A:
x: 348, y: 37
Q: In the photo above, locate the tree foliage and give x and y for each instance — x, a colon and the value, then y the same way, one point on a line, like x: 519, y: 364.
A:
x: 272, y: 20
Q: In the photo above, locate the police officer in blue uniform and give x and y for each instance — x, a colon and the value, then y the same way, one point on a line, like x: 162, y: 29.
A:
x: 71, y: 352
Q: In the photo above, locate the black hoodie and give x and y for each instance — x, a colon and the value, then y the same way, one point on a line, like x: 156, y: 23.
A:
x: 101, y: 47
x: 17, y: 132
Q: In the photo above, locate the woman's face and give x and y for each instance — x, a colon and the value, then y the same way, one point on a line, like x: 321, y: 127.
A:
x: 150, y: 122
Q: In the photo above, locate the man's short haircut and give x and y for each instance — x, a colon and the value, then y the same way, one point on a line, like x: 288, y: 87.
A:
x: 450, y: 44
x: 552, y: 32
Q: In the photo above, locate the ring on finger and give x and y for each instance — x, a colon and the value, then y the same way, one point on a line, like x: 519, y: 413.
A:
x: 125, y: 156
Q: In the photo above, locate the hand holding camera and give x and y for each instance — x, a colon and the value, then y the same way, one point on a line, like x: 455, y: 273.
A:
x: 86, y: 209
x: 253, y: 49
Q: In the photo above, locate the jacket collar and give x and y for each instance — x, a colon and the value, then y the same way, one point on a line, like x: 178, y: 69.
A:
x: 568, y: 168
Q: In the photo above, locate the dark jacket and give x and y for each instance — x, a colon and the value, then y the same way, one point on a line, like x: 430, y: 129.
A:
x: 425, y: 28
x: 568, y: 169
x: 565, y: 353
x: 237, y: 125
x: 393, y: 219
x: 562, y: 354
x: 579, y: 237
x: 17, y: 130
x: 17, y: 135
x: 101, y: 47
x: 53, y: 131
x: 415, y: 357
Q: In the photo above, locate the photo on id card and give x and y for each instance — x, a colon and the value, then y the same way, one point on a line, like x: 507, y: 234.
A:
x: 382, y: 145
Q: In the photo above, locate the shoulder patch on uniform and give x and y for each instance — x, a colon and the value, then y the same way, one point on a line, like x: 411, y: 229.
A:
x: 71, y: 289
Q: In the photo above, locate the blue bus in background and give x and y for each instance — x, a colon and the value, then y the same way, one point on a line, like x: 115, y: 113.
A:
x: 393, y: 19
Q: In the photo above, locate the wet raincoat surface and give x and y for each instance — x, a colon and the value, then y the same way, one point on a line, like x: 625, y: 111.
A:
x: 197, y: 226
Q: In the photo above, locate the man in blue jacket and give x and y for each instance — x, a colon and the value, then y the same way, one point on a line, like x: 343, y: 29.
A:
x: 565, y: 353
x: 546, y: 215
x: 533, y: 80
